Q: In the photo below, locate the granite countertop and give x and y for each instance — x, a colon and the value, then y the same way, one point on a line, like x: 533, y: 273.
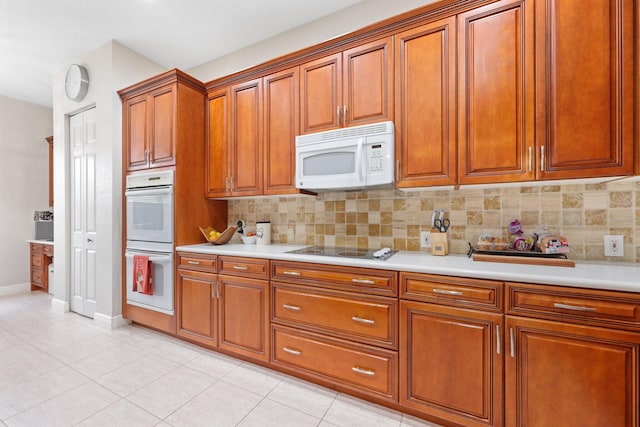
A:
x: 608, y: 276
x: 42, y: 242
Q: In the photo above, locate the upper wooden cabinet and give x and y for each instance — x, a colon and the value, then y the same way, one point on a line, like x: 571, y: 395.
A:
x: 281, y: 125
x: 234, y: 143
x: 50, y: 142
x: 350, y: 88
x: 496, y: 93
x: 157, y: 115
x: 585, y: 87
x: 425, y: 106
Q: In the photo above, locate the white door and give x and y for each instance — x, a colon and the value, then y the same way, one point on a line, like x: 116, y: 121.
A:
x: 83, y: 212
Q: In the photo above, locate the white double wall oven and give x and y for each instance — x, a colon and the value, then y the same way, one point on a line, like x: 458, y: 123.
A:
x: 149, y: 224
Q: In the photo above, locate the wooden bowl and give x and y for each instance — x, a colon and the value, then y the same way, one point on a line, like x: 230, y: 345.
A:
x: 223, y: 238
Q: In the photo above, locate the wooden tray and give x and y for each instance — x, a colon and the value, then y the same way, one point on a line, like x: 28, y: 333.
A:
x: 223, y: 238
x: 520, y: 257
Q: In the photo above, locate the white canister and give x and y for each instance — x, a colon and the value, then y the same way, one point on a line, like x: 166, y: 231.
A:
x: 263, y: 233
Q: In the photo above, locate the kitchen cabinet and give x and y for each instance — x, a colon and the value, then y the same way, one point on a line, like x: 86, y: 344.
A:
x: 573, y: 357
x: 585, y: 88
x: 148, y: 126
x: 349, y: 88
x: 451, y: 356
x: 425, y: 106
x: 496, y: 93
x: 196, y: 298
x: 41, y: 255
x: 281, y: 125
x: 336, y: 325
x: 50, y: 143
x: 234, y: 142
x: 228, y: 310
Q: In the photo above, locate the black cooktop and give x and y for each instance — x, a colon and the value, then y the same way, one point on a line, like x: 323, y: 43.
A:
x: 341, y: 252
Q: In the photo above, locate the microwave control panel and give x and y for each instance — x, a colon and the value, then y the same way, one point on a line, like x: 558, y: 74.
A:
x: 375, y: 156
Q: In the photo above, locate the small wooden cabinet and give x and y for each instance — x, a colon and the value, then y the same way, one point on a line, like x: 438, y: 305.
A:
x: 223, y: 303
x: 41, y: 255
x: 572, y: 357
x: 350, y: 88
x: 50, y: 142
x: 451, y: 356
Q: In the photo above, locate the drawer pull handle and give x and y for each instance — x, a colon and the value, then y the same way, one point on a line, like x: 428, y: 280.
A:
x: 363, y: 371
x: 292, y: 307
x: 193, y: 262
x: 361, y: 320
x: 365, y: 281
x: 240, y: 267
x: 446, y: 292
x: 292, y: 273
x: 573, y: 307
x: 292, y: 351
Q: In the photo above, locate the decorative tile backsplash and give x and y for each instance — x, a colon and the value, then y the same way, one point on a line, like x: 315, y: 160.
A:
x: 583, y: 213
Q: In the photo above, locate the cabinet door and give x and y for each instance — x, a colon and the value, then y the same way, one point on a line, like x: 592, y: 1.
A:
x: 321, y: 94
x: 558, y: 374
x: 136, y: 132
x: 496, y: 89
x: 218, y: 150
x: 246, y: 157
x: 196, y: 306
x: 281, y: 125
x: 451, y: 363
x: 162, y: 142
x: 426, y: 105
x: 368, y: 83
x: 244, y: 316
x: 584, y: 84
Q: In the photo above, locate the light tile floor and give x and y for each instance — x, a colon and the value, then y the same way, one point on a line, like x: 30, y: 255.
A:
x: 62, y: 370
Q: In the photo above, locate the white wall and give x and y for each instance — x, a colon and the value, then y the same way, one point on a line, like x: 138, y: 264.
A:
x: 345, y: 21
x: 111, y: 67
x: 24, y: 183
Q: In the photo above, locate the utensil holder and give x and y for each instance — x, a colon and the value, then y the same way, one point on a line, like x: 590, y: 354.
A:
x: 439, y: 243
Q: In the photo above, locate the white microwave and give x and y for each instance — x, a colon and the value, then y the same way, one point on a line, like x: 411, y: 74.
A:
x: 353, y: 158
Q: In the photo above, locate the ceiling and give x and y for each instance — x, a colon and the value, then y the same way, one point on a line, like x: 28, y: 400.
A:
x: 39, y: 37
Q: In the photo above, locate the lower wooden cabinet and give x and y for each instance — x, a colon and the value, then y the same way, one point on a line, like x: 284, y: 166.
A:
x: 221, y: 310
x: 41, y: 256
x: 451, y: 363
x: 561, y: 374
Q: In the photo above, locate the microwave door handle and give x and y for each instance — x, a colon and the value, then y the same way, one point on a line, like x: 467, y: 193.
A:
x: 359, y: 158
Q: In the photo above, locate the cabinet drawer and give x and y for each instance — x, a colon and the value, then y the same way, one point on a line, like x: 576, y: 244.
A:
x: 380, y: 282
x: 47, y: 250
x: 37, y: 261
x: 37, y: 278
x: 606, y: 308
x: 36, y: 248
x: 454, y: 291
x: 245, y: 267
x: 367, y: 319
x: 355, y: 366
x: 201, y: 262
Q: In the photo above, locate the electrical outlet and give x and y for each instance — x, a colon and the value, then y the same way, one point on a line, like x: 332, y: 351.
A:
x: 425, y: 239
x: 614, y: 245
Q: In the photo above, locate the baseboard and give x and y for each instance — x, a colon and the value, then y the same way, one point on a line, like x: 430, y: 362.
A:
x: 110, y: 322
x: 59, y: 306
x: 15, y: 289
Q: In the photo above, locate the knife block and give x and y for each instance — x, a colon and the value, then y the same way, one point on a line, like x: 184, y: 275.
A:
x: 439, y: 243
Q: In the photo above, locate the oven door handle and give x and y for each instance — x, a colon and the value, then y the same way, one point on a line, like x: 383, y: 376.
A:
x: 157, y: 259
x: 149, y: 191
